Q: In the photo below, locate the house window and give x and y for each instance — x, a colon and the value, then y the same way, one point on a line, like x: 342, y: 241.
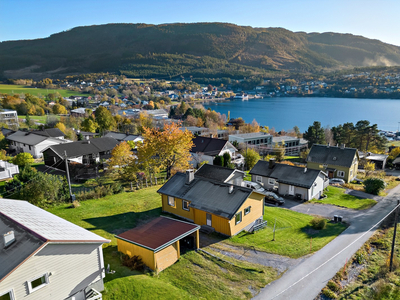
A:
x: 340, y: 173
x: 185, y: 205
x: 351, y: 173
x: 258, y: 179
x: 30, y: 148
x: 247, y: 210
x: 238, y: 218
x: 7, y: 295
x: 38, y: 283
x: 171, y: 201
x: 271, y: 181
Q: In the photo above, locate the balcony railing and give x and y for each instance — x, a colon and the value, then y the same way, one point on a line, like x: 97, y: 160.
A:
x: 92, y: 294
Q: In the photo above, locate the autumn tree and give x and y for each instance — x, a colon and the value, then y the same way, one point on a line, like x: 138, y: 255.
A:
x: 89, y: 125
x: 251, y: 157
x: 165, y: 149
x: 122, y: 162
x: 61, y: 126
x: 104, y: 118
x: 59, y: 109
x: 23, y: 159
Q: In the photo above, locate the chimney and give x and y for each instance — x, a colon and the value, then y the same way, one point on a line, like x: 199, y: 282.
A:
x: 305, y: 170
x: 342, y: 146
x: 271, y: 163
x: 327, y: 146
x: 9, y: 238
x: 189, y: 176
x: 231, y: 189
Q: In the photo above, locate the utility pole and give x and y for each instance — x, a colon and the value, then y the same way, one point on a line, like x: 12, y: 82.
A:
x: 274, y: 230
x: 71, y: 197
x: 394, y: 235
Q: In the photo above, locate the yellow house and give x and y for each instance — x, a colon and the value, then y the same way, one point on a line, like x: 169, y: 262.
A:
x: 160, y: 242
x: 336, y: 162
x: 227, y: 208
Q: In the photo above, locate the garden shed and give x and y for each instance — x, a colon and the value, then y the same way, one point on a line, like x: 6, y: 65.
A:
x: 160, y: 242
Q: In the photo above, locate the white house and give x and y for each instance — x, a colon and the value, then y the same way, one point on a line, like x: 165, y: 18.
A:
x: 43, y: 256
x: 9, y: 117
x: 206, y: 148
x: 30, y: 142
x: 7, y: 170
x: 302, y: 183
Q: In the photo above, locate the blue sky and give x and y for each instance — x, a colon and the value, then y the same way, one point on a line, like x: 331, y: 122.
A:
x: 31, y: 19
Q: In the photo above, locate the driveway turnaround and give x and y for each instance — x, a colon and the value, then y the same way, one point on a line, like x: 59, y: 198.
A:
x: 306, y: 280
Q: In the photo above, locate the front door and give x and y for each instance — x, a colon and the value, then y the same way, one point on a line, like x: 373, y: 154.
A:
x: 291, y: 190
x: 330, y: 174
x: 208, y: 216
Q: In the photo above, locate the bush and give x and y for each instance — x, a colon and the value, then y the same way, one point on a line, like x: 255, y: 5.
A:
x: 374, y: 185
x: 360, y: 257
x: 318, y: 223
x: 328, y: 293
x: 23, y: 159
x: 133, y: 263
x: 333, y: 286
x: 75, y: 204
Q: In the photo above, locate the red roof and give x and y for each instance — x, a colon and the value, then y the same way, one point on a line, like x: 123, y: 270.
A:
x: 159, y: 233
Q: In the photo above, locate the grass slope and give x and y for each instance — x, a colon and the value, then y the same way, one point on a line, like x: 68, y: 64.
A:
x: 337, y: 196
x: 373, y: 279
x: 293, y: 234
x: 38, y: 119
x: 21, y: 89
x: 194, y: 276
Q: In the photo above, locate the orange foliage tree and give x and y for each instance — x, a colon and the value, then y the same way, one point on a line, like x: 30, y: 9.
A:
x: 167, y: 149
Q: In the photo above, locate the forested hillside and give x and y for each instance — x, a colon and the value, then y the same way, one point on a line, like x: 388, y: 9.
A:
x: 197, y: 49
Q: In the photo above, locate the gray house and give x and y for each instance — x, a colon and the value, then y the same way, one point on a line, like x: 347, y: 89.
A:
x: 303, y: 183
x: 44, y: 257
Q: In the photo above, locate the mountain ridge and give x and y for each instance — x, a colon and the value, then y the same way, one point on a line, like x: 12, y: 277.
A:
x: 190, y: 49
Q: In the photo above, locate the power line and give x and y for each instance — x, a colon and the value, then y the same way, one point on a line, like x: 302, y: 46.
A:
x: 324, y: 263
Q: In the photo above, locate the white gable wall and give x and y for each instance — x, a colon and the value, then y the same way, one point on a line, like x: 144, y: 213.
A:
x: 36, y: 149
x: 72, y: 266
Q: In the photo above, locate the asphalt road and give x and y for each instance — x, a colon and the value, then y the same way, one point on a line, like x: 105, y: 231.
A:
x: 306, y: 280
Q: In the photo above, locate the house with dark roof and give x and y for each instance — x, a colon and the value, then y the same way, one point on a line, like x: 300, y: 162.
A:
x: 218, y: 173
x: 33, y: 142
x: 337, y: 162
x: 223, y: 207
x: 160, y: 242
x: 50, y: 132
x: 302, y: 183
x: 123, y: 137
x: 83, y: 152
x: 207, y: 148
x: 43, y: 256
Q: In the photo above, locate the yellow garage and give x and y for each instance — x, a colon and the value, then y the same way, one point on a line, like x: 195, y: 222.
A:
x: 160, y: 242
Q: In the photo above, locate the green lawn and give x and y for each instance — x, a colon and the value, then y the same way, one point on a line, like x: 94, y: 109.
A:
x: 292, y: 236
x: 196, y: 275
x: 336, y: 196
x: 21, y: 89
x: 294, y: 159
x: 39, y: 119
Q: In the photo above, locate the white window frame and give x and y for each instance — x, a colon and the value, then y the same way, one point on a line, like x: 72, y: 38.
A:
x: 258, y: 179
x: 247, y: 210
x: 29, y: 282
x: 238, y: 214
x: 271, y: 181
x: 183, y: 205
x: 340, y: 174
x: 10, y: 292
x: 171, y: 200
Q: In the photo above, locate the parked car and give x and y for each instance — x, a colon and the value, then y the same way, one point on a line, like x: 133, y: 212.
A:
x: 336, y: 181
x: 255, y: 186
x: 272, y: 198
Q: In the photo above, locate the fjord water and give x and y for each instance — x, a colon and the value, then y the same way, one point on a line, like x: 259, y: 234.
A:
x: 287, y: 112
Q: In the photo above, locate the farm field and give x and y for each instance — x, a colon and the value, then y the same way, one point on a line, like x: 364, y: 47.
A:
x: 21, y: 89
